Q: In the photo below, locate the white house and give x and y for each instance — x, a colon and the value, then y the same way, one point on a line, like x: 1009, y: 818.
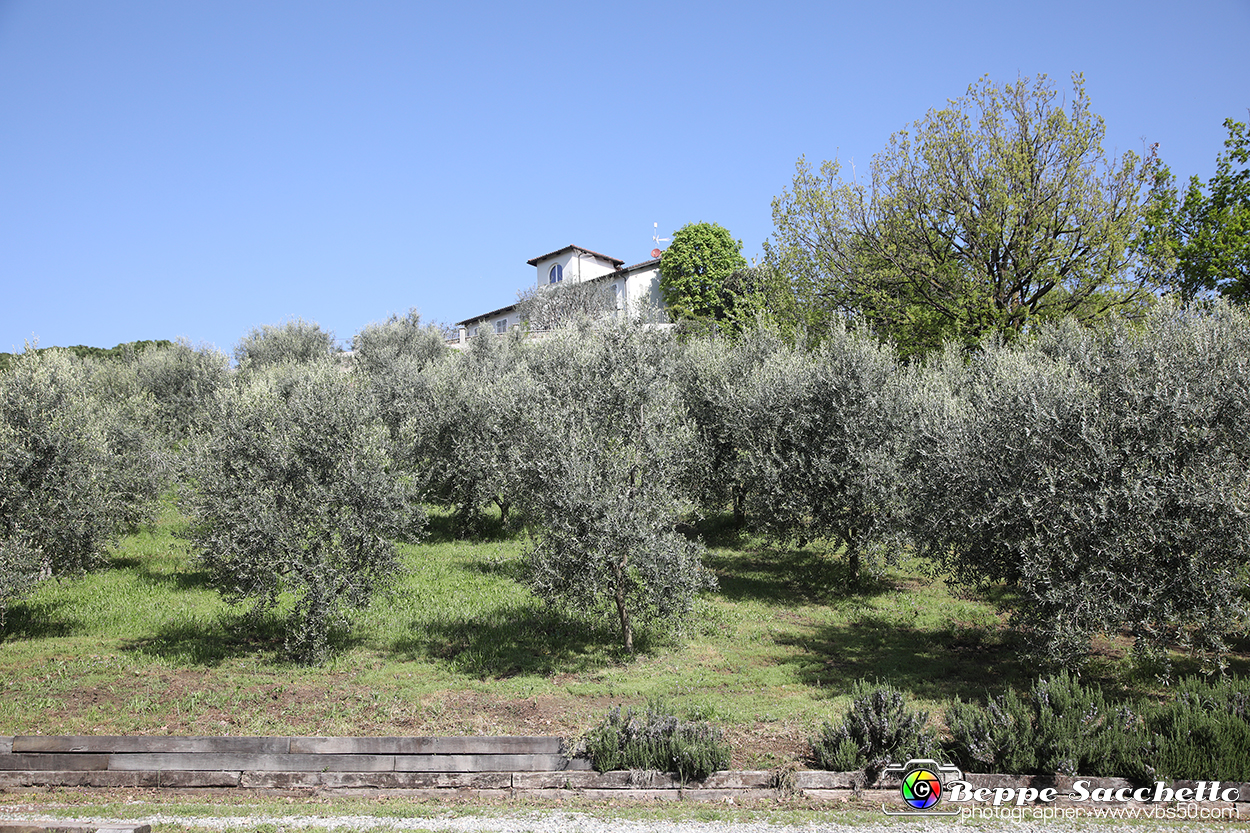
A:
x: 636, y: 287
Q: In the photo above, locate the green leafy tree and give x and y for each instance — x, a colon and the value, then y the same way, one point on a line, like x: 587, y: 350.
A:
x: 1202, y: 241
x: 694, y: 272
x: 995, y: 211
x: 294, y: 495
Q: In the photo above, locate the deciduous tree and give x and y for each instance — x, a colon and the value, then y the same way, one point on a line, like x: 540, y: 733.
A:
x: 997, y: 210
x: 694, y: 271
x: 1203, y: 240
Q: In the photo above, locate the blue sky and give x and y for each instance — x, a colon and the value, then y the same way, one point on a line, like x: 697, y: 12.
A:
x: 171, y: 168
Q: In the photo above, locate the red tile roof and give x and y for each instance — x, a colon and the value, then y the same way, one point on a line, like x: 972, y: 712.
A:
x: 613, y: 260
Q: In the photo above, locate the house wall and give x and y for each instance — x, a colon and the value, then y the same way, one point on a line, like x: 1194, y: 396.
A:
x: 642, y: 289
x: 576, y: 269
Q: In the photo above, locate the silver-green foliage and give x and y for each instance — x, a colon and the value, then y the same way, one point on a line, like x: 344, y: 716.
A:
x: 608, y: 469
x: 379, y: 347
x: 1064, y: 726
x: 1100, y: 476
x: 551, y: 306
x: 466, y: 424
x: 74, y: 469
x: 296, y: 340
x: 181, y: 380
x: 295, y: 504
x: 878, y: 729
x: 821, y: 440
x: 656, y: 739
x: 712, y: 375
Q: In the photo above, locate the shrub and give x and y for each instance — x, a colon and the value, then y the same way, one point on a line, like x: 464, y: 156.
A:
x: 1203, y: 731
x: 656, y: 740
x: 294, y: 495
x: 1061, y: 727
x: 997, y: 737
x: 878, y: 730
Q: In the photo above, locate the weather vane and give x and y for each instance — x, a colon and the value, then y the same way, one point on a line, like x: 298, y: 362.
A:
x: 658, y: 240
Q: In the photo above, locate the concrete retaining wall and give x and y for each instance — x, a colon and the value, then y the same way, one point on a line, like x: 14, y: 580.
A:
x: 486, y: 767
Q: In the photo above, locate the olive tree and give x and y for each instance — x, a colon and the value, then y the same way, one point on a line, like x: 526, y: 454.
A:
x: 608, y: 470
x: 379, y: 347
x: 1100, y: 477
x: 713, y: 376
x: 296, y: 340
x: 181, y: 380
x: 466, y: 424
x: 550, y: 306
x: 822, y: 439
x: 294, y: 495
x: 74, y: 471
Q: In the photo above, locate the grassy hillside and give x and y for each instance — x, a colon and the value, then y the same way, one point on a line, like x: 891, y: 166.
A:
x: 461, y: 647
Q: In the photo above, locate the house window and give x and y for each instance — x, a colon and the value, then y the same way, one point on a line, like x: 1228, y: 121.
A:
x: 501, y: 326
x: 556, y: 274
x: 616, y: 294
x: 474, y: 333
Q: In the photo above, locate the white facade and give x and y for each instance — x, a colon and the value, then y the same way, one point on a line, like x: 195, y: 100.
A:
x: 637, y: 287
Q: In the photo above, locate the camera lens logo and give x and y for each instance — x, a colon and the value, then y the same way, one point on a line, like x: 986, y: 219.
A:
x: 921, y: 789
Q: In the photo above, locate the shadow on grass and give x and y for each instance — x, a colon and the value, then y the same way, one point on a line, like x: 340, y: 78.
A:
x: 782, y: 577
x: 449, y: 527
x: 228, y: 635
x: 174, y: 581
x: 970, y: 662
x: 720, y: 530
x: 510, y: 568
x: 41, y: 619
x: 521, y: 639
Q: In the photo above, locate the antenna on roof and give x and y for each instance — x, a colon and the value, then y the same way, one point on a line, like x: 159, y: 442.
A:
x: 658, y: 240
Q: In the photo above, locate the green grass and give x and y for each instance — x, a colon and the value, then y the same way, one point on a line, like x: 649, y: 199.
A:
x: 460, y: 646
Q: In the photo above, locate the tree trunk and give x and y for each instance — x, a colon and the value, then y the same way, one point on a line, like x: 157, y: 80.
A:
x: 627, y: 628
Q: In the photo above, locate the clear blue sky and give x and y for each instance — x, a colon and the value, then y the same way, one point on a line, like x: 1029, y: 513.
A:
x: 194, y: 168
